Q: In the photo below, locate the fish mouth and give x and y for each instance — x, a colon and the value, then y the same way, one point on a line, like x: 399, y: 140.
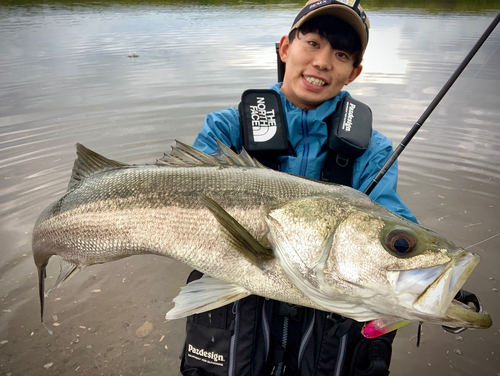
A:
x: 431, y: 291
x: 461, y: 315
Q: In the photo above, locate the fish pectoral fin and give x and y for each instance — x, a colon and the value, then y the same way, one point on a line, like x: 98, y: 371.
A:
x: 378, y: 327
x: 203, y: 295
x: 66, y: 271
x: 251, y: 248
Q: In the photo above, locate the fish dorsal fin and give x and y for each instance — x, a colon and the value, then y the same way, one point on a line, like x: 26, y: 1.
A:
x: 226, y: 154
x: 183, y: 155
x: 89, y: 162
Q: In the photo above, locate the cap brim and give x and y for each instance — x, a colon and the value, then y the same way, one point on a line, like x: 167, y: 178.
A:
x: 340, y: 11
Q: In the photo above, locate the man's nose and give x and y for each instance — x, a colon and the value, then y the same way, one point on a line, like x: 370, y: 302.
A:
x: 323, y: 59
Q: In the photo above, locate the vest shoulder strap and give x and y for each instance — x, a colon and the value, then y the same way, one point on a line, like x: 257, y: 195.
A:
x: 349, y: 135
x: 264, y: 132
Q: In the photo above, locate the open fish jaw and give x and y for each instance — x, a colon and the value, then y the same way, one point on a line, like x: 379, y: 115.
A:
x: 438, y: 296
x: 459, y: 315
x: 430, y: 291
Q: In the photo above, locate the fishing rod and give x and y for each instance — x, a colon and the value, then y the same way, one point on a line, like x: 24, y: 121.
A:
x: 431, y: 107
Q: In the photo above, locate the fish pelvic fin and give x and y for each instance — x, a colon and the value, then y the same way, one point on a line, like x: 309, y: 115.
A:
x: 241, y: 239
x: 384, y: 325
x: 89, y: 162
x: 203, y: 295
x: 66, y: 271
x: 183, y: 155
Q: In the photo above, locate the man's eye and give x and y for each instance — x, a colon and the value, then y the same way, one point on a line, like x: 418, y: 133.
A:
x: 313, y: 43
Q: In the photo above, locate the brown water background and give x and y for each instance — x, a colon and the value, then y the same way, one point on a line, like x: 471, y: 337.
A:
x: 66, y: 76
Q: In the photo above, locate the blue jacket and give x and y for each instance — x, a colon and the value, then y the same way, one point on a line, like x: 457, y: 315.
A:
x: 308, y: 134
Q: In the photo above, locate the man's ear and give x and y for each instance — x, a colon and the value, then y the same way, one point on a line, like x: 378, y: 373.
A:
x: 354, y: 74
x: 284, y: 46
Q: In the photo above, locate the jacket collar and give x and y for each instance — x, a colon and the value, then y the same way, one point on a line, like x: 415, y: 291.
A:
x: 321, y: 112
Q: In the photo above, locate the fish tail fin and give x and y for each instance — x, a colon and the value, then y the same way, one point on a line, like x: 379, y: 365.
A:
x: 67, y: 270
x: 42, y: 273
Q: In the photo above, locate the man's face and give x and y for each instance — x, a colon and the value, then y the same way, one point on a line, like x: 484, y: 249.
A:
x: 315, y: 72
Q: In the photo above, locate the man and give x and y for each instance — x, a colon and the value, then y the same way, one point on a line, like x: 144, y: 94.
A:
x: 258, y: 336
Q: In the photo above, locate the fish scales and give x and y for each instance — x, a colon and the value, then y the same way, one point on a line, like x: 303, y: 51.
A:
x: 142, y: 217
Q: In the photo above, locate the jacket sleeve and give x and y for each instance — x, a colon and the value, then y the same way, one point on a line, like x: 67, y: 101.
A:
x: 366, y: 168
x: 221, y: 125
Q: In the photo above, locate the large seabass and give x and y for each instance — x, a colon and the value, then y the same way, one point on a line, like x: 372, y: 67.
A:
x: 253, y: 230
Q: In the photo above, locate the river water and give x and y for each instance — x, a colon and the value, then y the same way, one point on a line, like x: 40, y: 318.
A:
x: 128, y: 78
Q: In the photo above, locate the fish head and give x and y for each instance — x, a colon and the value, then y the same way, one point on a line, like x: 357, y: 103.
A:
x: 360, y: 252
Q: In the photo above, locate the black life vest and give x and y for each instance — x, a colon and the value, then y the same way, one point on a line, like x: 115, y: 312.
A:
x: 256, y: 336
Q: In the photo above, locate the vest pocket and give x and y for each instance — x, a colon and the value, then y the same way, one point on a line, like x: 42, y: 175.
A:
x: 208, y: 341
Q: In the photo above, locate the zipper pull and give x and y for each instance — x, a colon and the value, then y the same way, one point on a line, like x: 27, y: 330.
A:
x: 234, y: 310
x: 235, y: 307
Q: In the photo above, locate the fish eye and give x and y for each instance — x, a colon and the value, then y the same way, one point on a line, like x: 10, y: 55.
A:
x: 400, y: 242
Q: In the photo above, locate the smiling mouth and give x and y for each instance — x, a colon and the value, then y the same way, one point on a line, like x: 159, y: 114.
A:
x: 315, y: 81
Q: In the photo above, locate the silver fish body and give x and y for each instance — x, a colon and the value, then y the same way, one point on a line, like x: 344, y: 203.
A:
x: 255, y: 231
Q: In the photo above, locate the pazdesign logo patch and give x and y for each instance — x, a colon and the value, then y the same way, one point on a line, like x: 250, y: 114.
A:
x: 210, y: 357
x: 349, y: 115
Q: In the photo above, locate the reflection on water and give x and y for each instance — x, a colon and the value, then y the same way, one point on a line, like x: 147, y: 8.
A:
x: 66, y: 77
